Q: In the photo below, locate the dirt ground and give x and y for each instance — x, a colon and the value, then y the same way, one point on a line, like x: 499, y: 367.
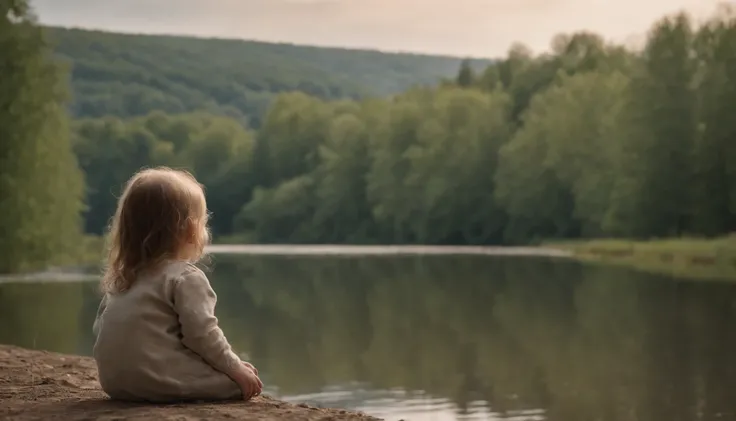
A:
x: 38, y: 385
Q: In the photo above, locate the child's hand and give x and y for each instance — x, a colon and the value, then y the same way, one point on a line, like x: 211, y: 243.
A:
x: 248, y: 381
x: 250, y: 366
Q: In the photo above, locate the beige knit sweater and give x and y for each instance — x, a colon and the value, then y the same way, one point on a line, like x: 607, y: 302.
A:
x: 160, y: 341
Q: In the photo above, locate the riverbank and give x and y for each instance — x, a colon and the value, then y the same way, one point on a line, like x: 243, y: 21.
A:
x: 92, y: 250
x: 39, y: 385
x: 320, y: 250
x: 712, y: 259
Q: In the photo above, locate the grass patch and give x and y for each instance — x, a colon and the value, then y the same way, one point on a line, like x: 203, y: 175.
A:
x: 706, y: 259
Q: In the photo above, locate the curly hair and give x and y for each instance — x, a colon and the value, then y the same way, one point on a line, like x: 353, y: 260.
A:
x: 161, y: 215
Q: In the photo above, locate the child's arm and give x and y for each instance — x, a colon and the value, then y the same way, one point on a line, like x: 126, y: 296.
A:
x: 194, y: 302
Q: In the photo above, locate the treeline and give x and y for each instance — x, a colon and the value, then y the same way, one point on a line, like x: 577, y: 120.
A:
x: 132, y: 75
x: 590, y: 140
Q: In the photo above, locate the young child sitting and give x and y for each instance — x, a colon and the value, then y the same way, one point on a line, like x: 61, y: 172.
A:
x: 158, y: 339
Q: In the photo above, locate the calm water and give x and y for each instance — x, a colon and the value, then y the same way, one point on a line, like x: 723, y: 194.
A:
x: 450, y: 338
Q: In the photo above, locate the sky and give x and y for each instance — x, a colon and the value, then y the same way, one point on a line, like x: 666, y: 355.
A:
x: 474, y: 28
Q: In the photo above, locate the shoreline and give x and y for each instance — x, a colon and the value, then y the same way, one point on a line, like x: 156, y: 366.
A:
x: 42, y: 385
x: 331, y: 250
x: 700, y: 259
x: 87, y: 271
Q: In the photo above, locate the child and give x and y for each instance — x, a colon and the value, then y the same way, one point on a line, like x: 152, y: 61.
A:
x: 157, y: 335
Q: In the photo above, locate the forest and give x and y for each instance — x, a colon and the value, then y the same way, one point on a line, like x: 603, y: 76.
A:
x: 589, y: 140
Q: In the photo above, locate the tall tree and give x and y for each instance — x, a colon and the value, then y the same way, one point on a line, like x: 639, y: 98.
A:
x: 653, y: 196
x: 41, y: 186
x: 715, y: 157
x: 343, y: 213
x: 466, y: 75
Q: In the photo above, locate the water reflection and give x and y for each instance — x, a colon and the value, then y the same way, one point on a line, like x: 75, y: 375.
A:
x: 446, y: 338
x: 44, y: 315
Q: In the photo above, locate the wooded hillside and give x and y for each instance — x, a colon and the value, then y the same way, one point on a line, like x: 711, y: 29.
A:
x: 131, y: 75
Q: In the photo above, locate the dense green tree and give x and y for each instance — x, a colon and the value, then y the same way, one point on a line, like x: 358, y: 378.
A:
x: 654, y: 196
x: 292, y: 131
x: 109, y: 152
x: 282, y: 214
x: 343, y: 213
x: 715, y: 150
x: 466, y: 75
x: 218, y: 150
x: 40, y: 184
x: 391, y: 200
x: 434, y: 156
x: 521, y: 75
x: 560, y: 171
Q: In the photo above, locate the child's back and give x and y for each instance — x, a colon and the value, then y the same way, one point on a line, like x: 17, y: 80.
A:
x: 157, y: 335
x: 160, y: 342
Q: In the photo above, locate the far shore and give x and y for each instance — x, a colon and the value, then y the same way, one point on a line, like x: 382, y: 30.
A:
x: 403, y: 250
x: 88, y: 270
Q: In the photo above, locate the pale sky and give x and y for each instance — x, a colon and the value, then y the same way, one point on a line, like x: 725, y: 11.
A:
x: 483, y: 28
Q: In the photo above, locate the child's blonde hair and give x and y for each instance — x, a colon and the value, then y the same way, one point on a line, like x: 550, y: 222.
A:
x: 162, y: 214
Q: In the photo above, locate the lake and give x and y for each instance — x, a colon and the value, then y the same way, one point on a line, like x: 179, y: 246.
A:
x: 449, y: 337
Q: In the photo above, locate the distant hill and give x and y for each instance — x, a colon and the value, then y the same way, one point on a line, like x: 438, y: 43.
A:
x: 129, y: 75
